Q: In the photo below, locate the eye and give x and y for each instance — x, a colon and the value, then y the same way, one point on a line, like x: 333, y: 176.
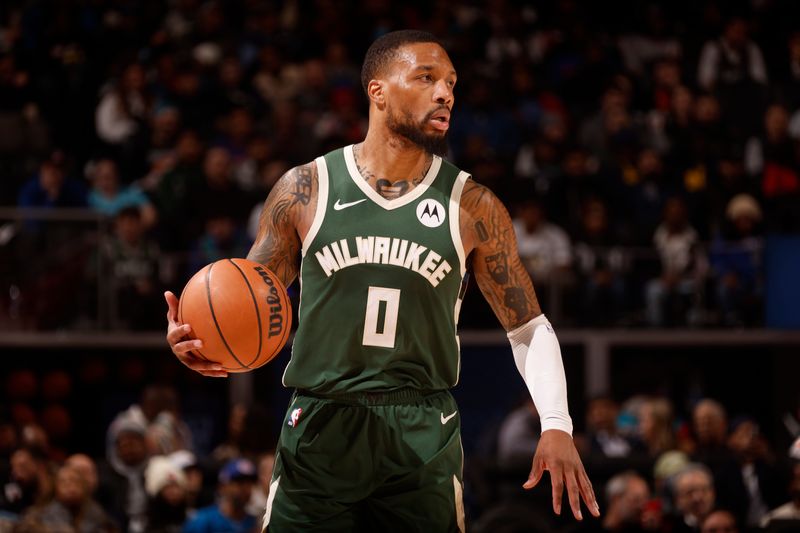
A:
x: 426, y: 77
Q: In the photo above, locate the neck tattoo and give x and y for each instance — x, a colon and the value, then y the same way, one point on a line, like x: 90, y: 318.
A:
x: 390, y: 189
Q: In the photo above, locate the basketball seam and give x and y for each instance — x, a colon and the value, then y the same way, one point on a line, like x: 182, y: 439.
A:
x: 258, y: 313
x: 180, y: 318
x: 214, y: 317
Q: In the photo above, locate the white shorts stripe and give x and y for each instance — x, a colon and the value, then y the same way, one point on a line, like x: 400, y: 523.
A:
x: 273, y: 489
x: 459, y: 503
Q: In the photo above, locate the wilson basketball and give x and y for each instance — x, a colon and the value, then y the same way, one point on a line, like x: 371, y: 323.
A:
x: 240, y: 310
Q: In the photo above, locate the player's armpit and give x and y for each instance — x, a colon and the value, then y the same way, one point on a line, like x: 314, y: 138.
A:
x: 488, y: 233
x: 288, y: 206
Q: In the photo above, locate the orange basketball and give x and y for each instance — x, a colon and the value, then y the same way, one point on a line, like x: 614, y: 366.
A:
x: 241, y: 312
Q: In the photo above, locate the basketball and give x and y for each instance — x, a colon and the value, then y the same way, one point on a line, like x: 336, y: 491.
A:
x: 240, y: 310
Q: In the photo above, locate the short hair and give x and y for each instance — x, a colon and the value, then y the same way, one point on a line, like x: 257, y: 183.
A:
x: 384, y: 50
x: 692, y: 468
x: 618, y: 484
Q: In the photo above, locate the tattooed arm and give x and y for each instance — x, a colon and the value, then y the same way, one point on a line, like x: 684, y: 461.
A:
x: 285, y: 217
x: 285, y: 220
x: 488, y: 235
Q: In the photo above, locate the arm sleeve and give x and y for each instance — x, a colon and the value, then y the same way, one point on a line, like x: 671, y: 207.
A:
x: 537, y: 355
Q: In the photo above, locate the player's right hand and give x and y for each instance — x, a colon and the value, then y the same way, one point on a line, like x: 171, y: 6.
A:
x: 182, y: 346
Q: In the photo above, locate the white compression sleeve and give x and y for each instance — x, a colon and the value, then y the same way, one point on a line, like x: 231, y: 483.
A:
x: 538, y: 358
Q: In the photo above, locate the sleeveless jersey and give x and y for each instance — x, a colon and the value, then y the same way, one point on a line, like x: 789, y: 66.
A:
x: 380, y: 284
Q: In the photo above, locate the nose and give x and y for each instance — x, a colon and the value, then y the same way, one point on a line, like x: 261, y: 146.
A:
x: 443, y: 93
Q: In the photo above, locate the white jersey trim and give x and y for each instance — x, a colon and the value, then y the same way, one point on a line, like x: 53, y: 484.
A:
x: 454, y: 213
x: 322, y: 203
x: 373, y: 195
x: 455, y: 222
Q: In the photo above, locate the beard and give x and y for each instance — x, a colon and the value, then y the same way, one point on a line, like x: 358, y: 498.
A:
x: 414, y: 132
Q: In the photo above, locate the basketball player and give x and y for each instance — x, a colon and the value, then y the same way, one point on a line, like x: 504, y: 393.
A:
x: 381, y: 234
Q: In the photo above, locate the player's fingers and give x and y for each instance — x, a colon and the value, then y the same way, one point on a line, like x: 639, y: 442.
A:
x: 197, y: 364
x: 557, y: 480
x: 172, y: 306
x: 214, y: 374
x: 588, y: 493
x: 176, y: 334
x: 573, y: 493
x: 536, y: 474
x: 184, y: 348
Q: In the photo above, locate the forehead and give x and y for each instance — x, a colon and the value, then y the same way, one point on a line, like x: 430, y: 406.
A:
x: 410, y: 56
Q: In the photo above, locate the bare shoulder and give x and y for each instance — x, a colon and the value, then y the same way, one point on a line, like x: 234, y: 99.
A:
x: 298, y: 185
x: 285, y: 219
x: 482, y: 215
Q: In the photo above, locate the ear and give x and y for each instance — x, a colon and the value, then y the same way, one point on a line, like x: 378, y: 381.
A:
x: 376, y: 93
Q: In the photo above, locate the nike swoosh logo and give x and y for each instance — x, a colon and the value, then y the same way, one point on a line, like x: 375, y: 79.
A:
x: 446, y: 419
x: 339, y: 206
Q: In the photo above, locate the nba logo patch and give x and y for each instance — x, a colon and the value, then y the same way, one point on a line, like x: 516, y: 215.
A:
x: 294, y: 417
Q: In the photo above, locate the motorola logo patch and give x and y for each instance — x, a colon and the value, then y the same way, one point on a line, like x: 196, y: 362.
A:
x: 430, y: 213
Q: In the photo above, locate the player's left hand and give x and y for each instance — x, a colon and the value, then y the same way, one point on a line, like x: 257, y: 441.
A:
x: 556, y: 453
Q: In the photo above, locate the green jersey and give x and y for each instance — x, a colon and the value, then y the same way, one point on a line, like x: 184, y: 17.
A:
x: 380, y: 284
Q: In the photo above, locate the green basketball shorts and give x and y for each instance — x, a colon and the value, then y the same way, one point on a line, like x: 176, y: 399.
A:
x: 368, y: 462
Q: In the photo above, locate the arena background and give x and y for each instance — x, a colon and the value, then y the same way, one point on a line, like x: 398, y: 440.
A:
x: 139, y: 138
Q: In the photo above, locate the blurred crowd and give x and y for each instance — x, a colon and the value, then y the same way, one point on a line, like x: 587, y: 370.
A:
x: 644, y: 148
x: 149, y: 466
x: 653, y: 467
x: 156, y: 474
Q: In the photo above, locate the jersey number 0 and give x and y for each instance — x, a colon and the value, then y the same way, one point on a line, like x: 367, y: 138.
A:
x: 380, y: 322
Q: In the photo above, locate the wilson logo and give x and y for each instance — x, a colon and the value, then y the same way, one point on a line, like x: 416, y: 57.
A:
x: 275, y: 305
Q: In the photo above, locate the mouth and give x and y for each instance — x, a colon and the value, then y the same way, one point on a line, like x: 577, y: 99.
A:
x: 440, y: 120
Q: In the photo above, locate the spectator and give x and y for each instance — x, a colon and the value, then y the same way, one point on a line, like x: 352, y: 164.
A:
x: 122, y: 491
x: 626, y: 496
x: 171, y: 191
x: 159, y: 413
x: 602, y: 435
x: 107, y: 197
x: 773, y: 160
x: 50, y: 187
x: 736, y: 258
x: 544, y: 248
x: 29, y: 483
x: 86, y: 467
x: 791, y: 509
x: 261, y: 491
x: 123, y: 107
x: 665, y: 468
x: 719, y: 521
x: 694, y: 497
x: 217, y: 193
x: 72, y: 509
x: 683, y: 266
x: 734, y: 67
x: 132, y: 259
x: 755, y: 486
x: 518, y: 435
x: 165, y: 484
x: 231, y: 448
x: 222, y: 238
x: 235, y: 487
x: 710, y: 425
x: 601, y: 266
x: 655, y: 426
